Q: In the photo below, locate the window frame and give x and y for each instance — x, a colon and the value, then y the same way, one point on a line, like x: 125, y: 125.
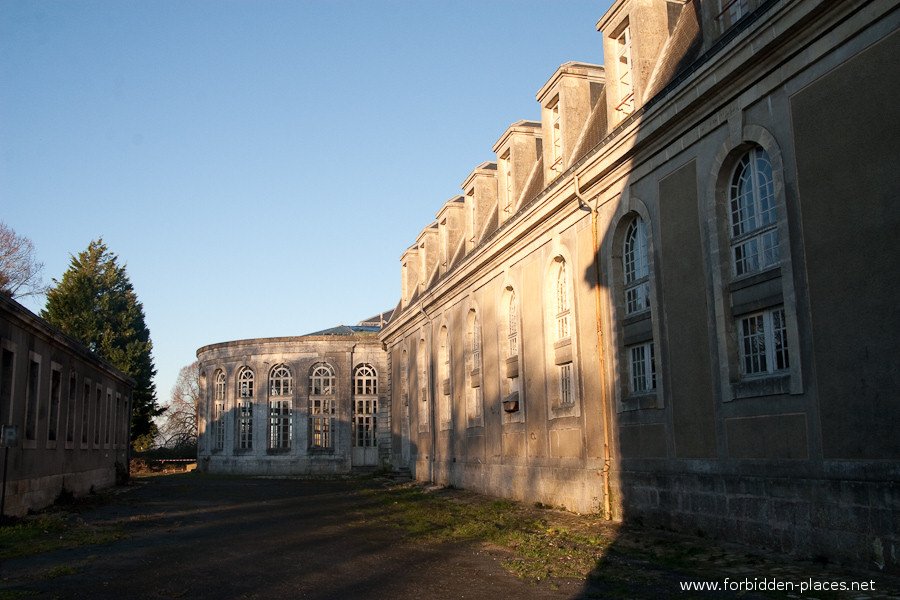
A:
x: 771, y: 288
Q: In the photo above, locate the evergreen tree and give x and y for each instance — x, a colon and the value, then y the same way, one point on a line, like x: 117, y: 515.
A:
x: 96, y: 304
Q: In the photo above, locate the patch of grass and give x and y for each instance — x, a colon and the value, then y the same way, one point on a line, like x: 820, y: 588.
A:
x: 51, y: 531
x: 538, y: 552
x: 60, y: 571
x: 16, y: 594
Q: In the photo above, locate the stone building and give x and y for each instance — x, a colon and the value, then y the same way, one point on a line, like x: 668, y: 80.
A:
x: 673, y: 298
x: 295, y: 405
x: 65, y: 413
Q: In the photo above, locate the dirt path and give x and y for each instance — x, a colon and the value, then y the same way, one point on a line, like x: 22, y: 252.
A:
x: 185, y: 536
x: 259, y: 538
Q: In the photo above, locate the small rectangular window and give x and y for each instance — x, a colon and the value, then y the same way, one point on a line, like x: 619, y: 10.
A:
x: 245, y: 425
x: 31, y: 405
x: 566, y: 393
x: 219, y: 425
x: 763, y: 342
x: 109, y: 418
x: 642, y: 363
x: 71, y: 409
x: 280, y: 424
x: 98, y: 415
x: 54, y: 401
x: 6, y: 384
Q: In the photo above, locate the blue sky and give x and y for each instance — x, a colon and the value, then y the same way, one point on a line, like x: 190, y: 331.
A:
x: 259, y: 166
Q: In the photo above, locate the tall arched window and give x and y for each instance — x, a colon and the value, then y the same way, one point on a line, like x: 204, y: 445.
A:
x: 321, y: 405
x: 562, y: 301
x: 512, y: 325
x: 641, y: 356
x: 245, y: 409
x: 636, y: 268
x: 511, y: 392
x: 754, y: 222
x: 365, y: 406
x: 281, y: 388
x: 422, y: 377
x: 245, y: 383
x: 563, y: 396
x: 474, y: 414
x: 762, y: 335
x: 219, y: 410
x: 444, y: 377
x: 756, y: 327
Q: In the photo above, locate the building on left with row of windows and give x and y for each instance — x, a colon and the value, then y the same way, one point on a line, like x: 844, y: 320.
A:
x: 295, y: 405
x: 65, y: 413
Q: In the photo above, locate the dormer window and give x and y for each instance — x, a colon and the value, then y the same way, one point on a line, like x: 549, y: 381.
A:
x: 506, y: 201
x: 555, y: 140
x: 625, y: 105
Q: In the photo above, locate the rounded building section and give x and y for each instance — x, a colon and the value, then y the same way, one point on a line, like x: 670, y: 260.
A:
x: 311, y: 404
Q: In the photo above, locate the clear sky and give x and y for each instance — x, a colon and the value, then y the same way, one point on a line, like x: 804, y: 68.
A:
x: 259, y: 166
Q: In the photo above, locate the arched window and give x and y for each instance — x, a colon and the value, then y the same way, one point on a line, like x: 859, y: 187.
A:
x: 562, y: 392
x: 321, y: 380
x: 762, y: 335
x: 365, y: 408
x: 757, y: 328
x: 245, y: 409
x: 365, y: 381
x: 245, y: 383
x: 219, y: 410
x: 512, y: 325
x: 321, y: 406
x: 444, y: 377
x: 636, y: 268
x: 474, y: 414
x: 220, y: 385
x: 281, y: 381
x: 422, y: 378
x: 641, y: 357
x: 754, y: 222
x: 511, y: 395
x: 562, y: 301
x: 281, y: 387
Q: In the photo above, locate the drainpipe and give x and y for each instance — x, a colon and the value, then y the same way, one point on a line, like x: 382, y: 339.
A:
x: 431, y: 416
x: 604, y: 473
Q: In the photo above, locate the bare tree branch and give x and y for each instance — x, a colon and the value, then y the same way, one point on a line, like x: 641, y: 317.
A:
x: 179, y: 429
x: 20, y: 272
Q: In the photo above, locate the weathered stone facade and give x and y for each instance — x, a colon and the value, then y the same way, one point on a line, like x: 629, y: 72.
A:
x: 313, y: 404
x: 673, y: 299
x: 70, y: 412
